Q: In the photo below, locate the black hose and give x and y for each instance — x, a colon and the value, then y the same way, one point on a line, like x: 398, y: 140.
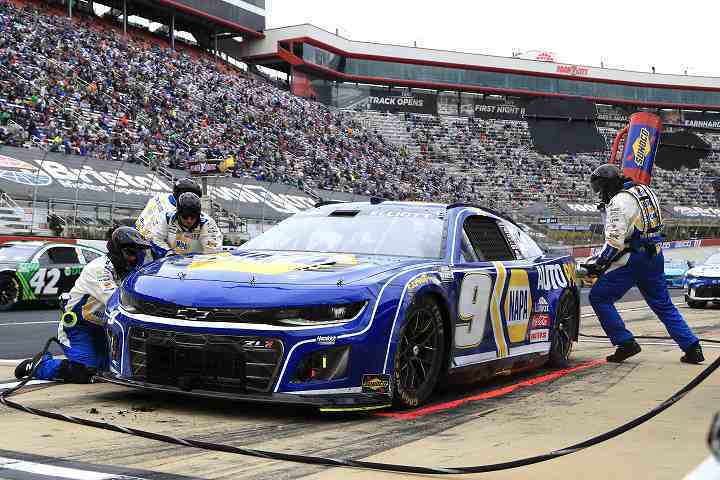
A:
x: 331, y: 462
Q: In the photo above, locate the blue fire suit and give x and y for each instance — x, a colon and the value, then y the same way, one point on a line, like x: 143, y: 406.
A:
x: 81, y: 329
x: 632, y: 256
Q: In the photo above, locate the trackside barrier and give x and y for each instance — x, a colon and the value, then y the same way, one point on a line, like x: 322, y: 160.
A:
x: 333, y: 462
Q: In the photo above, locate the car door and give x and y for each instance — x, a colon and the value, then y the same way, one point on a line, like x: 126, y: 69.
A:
x: 59, y: 268
x: 494, y: 303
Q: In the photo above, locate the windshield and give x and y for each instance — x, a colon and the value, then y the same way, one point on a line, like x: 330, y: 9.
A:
x: 376, y: 232
x: 713, y: 260
x: 16, y: 253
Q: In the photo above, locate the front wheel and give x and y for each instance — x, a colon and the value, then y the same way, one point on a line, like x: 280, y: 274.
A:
x: 565, y: 324
x: 419, y: 354
x: 695, y: 303
x: 9, y: 292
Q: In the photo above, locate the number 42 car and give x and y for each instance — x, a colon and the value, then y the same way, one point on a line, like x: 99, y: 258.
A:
x: 35, y: 270
x: 348, y: 306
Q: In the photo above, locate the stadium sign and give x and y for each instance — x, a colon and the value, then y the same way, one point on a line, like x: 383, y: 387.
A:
x: 709, y: 212
x: 497, y: 109
x: 63, y: 177
x: 581, y: 208
x: 402, y: 101
x: 573, y: 70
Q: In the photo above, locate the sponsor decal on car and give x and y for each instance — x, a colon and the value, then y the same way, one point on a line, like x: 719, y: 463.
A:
x: 326, y: 339
x: 377, y: 383
x: 541, y: 306
x: 517, y: 305
x: 539, y: 320
x: 539, y: 335
x: 553, y: 276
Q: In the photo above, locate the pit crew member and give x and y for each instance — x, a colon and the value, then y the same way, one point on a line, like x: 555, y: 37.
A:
x: 187, y: 230
x: 632, y: 255
x: 81, y: 329
x: 162, y: 204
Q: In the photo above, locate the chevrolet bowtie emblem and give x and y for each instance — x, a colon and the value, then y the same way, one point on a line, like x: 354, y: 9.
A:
x: 192, y: 314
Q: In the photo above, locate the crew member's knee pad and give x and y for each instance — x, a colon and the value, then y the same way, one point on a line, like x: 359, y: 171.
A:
x: 75, y: 372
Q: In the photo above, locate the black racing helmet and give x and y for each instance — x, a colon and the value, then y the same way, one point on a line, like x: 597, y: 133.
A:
x: 124, y: 250
x: 606, y: 180
x: 188, y: 205
x: 186, y: 185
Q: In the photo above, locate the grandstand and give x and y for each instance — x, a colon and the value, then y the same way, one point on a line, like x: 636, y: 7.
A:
x: 414, y: 129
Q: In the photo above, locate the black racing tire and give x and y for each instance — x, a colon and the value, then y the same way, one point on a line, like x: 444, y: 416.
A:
x: 9, y: 292
x: 695, y: 303
x: 563, y: 331
x: 419, y: 355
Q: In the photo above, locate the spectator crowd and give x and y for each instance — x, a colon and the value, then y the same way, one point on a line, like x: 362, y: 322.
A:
x: 76, y: 86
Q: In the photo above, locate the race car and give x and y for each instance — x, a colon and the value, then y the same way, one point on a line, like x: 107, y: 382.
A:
x: 702, y: 283
x: 347, y: 306
x: 675, y: 271
x: 36, y: 270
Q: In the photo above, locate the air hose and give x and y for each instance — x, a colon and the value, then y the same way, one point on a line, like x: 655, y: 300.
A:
x: 334, y: 462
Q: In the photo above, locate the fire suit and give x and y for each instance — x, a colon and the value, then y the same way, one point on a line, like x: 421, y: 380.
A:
x: 155, y: 211
x: 168, y: 236
x: 81, y: 328
x: 632, y: 256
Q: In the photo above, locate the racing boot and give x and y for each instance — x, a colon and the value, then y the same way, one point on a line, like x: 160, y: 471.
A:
x: 25, y: 367
x: 693, y: 354
x: 624, y: 351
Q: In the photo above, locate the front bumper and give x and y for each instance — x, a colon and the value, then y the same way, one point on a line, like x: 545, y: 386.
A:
x: 340, y: 402
x: 703, y: 290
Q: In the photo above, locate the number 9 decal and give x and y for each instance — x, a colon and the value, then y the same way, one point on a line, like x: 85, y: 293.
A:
x: 473, y: 309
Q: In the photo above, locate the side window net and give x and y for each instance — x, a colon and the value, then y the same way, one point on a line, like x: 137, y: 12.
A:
x: 487, y: 240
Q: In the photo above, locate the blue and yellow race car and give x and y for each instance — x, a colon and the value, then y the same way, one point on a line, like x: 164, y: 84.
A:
x: 348, y: 306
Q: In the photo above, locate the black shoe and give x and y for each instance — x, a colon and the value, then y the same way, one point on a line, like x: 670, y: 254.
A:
x: 624, y: 351
x: 24, y: 368
x: 693, y: 354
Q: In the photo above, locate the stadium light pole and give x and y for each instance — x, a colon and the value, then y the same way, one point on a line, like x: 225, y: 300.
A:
x: 125, y: 19
x: 172, y: 30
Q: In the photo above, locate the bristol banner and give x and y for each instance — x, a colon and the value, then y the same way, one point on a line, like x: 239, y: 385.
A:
x: 402, y: 101
x: 27, y: 174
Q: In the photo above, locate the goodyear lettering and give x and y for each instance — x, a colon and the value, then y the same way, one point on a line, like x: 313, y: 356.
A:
x: 423, y: 279
x: 551, y: 277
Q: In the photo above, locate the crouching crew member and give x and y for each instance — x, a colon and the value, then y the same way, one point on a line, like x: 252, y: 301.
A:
x: 81, y: 329
x: 187, y: 230
x: 632, y: 256
x: 162, y: 204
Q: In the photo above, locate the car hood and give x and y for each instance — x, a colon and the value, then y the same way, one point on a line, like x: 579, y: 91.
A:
x: 711, y: 271
x: 265, y: 267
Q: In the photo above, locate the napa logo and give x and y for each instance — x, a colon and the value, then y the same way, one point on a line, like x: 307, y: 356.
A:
x: 553, y: 277
x: 641, y: 147
x: 518, y: 301
x: 182, y: 245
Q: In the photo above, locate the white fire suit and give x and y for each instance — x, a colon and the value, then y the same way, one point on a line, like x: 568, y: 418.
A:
x: 155, y: 210
x: 169, y: 237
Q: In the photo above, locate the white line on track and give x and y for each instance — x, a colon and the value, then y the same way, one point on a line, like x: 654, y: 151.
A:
x: 54, y: 471
x: 9, y: 363
x: 10, y: 324
x: 13, y: 384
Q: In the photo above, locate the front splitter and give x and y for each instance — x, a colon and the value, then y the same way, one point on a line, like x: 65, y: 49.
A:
x: 342, y: 402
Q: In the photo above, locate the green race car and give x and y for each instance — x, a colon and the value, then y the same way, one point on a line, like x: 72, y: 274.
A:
x: 36, y: 270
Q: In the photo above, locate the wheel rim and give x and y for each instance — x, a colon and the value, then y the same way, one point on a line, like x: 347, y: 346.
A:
x: 565, y: 317
x: 418, y: 350
x: 8, y: 291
